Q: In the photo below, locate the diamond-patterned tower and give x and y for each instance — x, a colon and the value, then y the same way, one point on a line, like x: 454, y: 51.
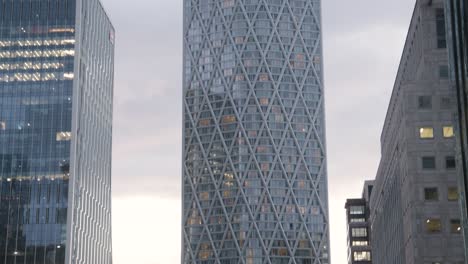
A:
x: 254, y: 169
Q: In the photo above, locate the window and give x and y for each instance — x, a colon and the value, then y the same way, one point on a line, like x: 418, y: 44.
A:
x: 445, y: 102
x: 443, y: 72
x: 426, y: 132
x: 360, y: 243
x: 357, y: 210
x: 448, y: 132
x: 359, y: 232
x: 431, y: 194
x: 362, y: 256
x: 455, y: 226
x: 452, y: 194
x: 63, y: 136
x: 425, y: 102
x: 2, y: 126
x: 440, y: 29
x: 358, y: 220
x: 450, y: 162
x: 205, y: 122
x: 229, y: 119
x: 433, y: 225
x: 428, y: 163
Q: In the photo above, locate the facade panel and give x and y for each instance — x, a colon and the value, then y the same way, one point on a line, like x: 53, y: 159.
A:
x: 254, y: 170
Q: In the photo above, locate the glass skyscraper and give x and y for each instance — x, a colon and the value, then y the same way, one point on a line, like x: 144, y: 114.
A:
x: 56, y: 89
x: 457, y: 14
x: 254, y: 154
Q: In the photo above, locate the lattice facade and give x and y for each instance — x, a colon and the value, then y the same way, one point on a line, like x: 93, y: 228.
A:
x: 254, y: 158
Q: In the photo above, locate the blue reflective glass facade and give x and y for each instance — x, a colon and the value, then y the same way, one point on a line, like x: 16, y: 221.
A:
x: 254, y: 169
x: 44, y: 72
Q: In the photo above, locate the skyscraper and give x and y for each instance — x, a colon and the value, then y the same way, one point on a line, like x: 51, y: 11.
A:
x: 415, y: 214
x: 457, y: 11
x: 254, y: 155
x: 56, y: 89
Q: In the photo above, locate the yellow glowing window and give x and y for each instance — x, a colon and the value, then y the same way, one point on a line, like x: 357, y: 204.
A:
x: 453, y: 194
x: 63, y: 136
x: 433, y: 225
x: 229, y: 119
x: 426, y: 132
x: 205, y: 122
x: 68, y: 76
x: 264, y: 101
x: 204, y: 196
x: 448, y: 132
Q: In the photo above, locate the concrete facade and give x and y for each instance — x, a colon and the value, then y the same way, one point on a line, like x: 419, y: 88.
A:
x: 415, y: 215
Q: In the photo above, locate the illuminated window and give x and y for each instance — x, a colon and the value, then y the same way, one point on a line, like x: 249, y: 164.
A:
x: 357, y: 210
x: 453, y: 194
x: 358, y: 220
x: 448, y: 132
x: 426, y: 132
x: 229, y: 119
x: 359, y: 232
x: 455, y: 226
x: 362, y: 256
x: 433, y: 225
x: 63, y: 136
x: 263, y: 101
x: 360, y: 243
x: 2, y: 126
x: 205, y: 122
x: 68, y: 76
x: 431, y: 194
x: 204, y: 196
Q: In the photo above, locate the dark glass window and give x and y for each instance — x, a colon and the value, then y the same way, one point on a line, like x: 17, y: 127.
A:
x: 425, y: 102
x: 440, y: 27
x: 428, y: 163
x: 455, y: 226
x: 431, y: 194
x: 443, y: 72
x: 450, y: 162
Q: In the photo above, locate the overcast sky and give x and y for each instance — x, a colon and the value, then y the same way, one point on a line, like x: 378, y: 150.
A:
x: 363, y: 40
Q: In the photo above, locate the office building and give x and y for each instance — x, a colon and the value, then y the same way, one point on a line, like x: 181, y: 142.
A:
x: 357, y: 215
x: 457, y: 12
x: 254, y: 154
x: 415, y: 214
x: 56, y: 89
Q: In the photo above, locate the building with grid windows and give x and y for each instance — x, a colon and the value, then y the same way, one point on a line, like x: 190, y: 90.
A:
x: 357, y: 216
x: 415, y: 214
x: 56, y: 89
x: 254, y: 155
